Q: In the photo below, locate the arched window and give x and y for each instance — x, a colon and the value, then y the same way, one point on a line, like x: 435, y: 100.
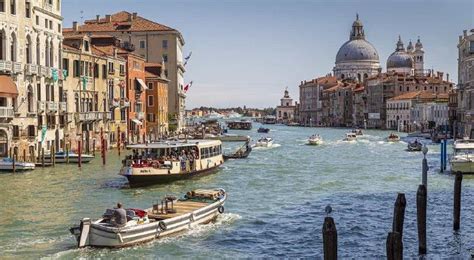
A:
x: 30, y: 99
x: 359, y: 77
x: 2, y: 45
x: 51, y: 54
x: 13, y: 48
x: 28, y: 50
x: 46, y: 56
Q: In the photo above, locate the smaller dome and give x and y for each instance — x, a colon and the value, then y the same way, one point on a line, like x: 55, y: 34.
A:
x: 418, y: 44
x: 399, y: 59
x: 410, y: 47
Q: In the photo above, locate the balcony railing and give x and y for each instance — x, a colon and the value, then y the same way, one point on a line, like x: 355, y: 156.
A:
x: 89, y: 116
x: 62, y: 107
x: 5, y: 65
x: 52, y: 107
x: 31, y: 69
x: 41, y: 106
x: 16, y: 67
x: 6, y: 112
x: 107, y: 116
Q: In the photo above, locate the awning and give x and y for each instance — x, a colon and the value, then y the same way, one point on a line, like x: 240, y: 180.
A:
x: 7, y: 87
x: 140, y: 81
x: 136, y: 121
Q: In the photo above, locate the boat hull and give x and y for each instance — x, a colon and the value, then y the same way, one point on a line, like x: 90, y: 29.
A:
x: 72, y: 159
x: 465, y: 167
x: 145, y: 180
x: 314, y: 142
x: 18, y: 167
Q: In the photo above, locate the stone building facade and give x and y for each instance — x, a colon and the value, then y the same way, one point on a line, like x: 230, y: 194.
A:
x: 285, y: 112
x: 465, y: 111
x: 157, y: 100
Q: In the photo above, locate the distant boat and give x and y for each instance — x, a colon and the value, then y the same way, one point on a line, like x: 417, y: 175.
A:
x: 271, y: 120
x: 6, y: 164
x: 61, y: 157
x: 264, y: 142
x: 233, y: 115
x: 239, y: 125
x: 213, y: 115
x: 393, y: 138
x: 350, y: 137
x: 357, y: 132
x: 415, y: 146
x: 315, y: 140
x: 263, y: 130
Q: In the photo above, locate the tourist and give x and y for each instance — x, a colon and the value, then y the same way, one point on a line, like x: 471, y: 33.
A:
x: 119, y: 218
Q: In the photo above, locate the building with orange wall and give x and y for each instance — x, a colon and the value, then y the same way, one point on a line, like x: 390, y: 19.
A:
x: 156, y: 100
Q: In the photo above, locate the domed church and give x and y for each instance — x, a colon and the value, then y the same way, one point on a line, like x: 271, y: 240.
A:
x: 357, y: 58
x: 406, y: 62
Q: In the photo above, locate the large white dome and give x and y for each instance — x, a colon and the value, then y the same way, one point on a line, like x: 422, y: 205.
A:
x: 357, y: 50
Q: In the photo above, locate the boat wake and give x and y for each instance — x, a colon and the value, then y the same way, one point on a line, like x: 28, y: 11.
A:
x: 266, y: 148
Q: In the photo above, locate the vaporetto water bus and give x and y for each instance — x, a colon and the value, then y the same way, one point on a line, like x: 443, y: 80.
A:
x: 169, y: 217
x: 164, y: 162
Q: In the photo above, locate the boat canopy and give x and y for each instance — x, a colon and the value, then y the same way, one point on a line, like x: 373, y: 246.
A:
x: 174, y: 144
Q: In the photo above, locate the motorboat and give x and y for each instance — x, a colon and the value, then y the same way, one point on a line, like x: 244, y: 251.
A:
x: 315, y: 140
x: 357, y: 132
x: 263, y: 130
x: 6, y: 165
x: 242, y: 153
x: 264, y: 142
x: 239, y: 125
x: 462, y: 159
x: 166, y: 218
x: 62, y: 157
x: 350, y: 137
x: 164, y: 162
x: 415, y: 146
x: 393, y: 138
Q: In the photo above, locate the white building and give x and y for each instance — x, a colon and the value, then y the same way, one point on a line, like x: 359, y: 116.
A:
x: 30, y: 63
x: 357, y: 58
x: 430, y: 114
x: 285, y: 112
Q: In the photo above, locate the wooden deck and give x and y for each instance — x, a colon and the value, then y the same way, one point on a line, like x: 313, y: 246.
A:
x: 181, y: 208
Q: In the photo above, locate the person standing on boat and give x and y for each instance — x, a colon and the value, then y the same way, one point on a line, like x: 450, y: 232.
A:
x: 119, y: 218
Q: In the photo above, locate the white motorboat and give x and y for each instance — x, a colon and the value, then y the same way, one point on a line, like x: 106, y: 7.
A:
x: 170, y: 216
x: 264, y: 142
x: 350, y: 137
x: 357, y: 132
x: 393, y: 138
x: 415, y: 146
x: 462, y: 159
x: 6, y: 164
x: 315, y: 140
x: 61, y: 157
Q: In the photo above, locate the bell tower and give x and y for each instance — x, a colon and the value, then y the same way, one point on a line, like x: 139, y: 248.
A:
x: 357, y: 31
x: 418, y: 57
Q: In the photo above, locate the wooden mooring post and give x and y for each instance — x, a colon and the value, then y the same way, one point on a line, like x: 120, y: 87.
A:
x: 457, y: 201
x: 399, y: 214
x: 14, y: 162
x: 67, y: 152
x: 329, y: 239
x: 24, y: 155
x: 424, y: 173
x: 118, y: 141
x: 79, y: 156
x: 421, y: 201
x: 42, y: 157
x: 103, y: 151
x: 394, y: 246
x: 53, y: 156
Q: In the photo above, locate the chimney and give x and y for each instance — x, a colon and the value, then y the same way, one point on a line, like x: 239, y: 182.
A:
x: 129, y: 19
x: 97, y: 18
x: 115, y: 52
x: 447, y: 77
x: 75, y: 27
x: 108, y: 18
x: 464, y: 32
x: 134, y: 16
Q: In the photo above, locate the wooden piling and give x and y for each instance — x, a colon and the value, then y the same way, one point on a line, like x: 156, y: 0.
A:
x: 93, y: 147
x: 53, y: 156
x: 421, y: 201
x: 42, y: 157
x: 118, y: 141
x: 394, y: 246
x: 14, y: 163
x: 79, y: 157
x: 457, y: 201
x: 67, y: 153
x: 441, y: 157
x: 329, y: 239
x: 424, y: 174
x: 399, y: 214
x: 103, y: 151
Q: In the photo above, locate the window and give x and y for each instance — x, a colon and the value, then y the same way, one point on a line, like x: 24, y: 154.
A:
x: 96, y: 70
x: 46, y: 23
x: 38, y: 91
x: 164, y: 44
x: 2, y: 6
x: 31, y: 131
x: 165, y: 57
x: 37, y: 20
x: 111, y: 68
x: 150, y: 85
x: 86, y: 45
x: 142, y: 44
x: 29, y: 99
x: 471, y: 47
x: 150, y: 101
x: 28, y: 9
x: 66, y: 65
x: 76, y: 69
x: 16, y: 132
x: 59, y: 28
x: 13, y: 6
x: 150, y: 117
x: 122, y: 69
x: 51, y: 25
x: 104, y: 71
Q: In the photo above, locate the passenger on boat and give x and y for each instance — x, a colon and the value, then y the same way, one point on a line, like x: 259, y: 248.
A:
x: 119, y: 218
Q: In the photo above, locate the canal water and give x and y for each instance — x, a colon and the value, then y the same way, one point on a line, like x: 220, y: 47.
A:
x: 275, y: 206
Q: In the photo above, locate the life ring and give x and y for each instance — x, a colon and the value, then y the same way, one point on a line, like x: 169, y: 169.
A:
x: 220, y: 209
x: 162, y: 225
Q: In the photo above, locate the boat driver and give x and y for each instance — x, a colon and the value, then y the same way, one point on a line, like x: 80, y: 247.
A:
x: 119, y: 218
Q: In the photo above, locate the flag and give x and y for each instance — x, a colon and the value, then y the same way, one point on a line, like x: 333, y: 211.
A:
x: 186, y: 88
x: 186, y: 59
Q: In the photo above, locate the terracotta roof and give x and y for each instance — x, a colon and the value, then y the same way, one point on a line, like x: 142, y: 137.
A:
x: 423, y: 95
x: 120, y: 22
x: 70, y: 48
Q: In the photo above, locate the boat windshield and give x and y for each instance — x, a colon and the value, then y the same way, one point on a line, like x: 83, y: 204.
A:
x: 464, y: 151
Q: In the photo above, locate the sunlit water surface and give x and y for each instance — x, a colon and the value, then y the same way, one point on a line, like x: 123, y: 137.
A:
x: 275, y: 206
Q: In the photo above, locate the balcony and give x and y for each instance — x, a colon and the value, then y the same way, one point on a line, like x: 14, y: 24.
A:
x: 16, y: 67
x: 89, y: 116
x: 124, y: 103
x: 41, y: 106
x: 31, y: 69
x: 5, y: 66
x: 6, y: 112
x: 107, y: 116
x: 62, y: 107
x: 114, y: 103
x: 44, y: 71
x: 140, y: 115
x: 52, y: 107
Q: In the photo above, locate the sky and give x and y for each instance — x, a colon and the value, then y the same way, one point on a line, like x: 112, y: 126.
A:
x: 247, y: 52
